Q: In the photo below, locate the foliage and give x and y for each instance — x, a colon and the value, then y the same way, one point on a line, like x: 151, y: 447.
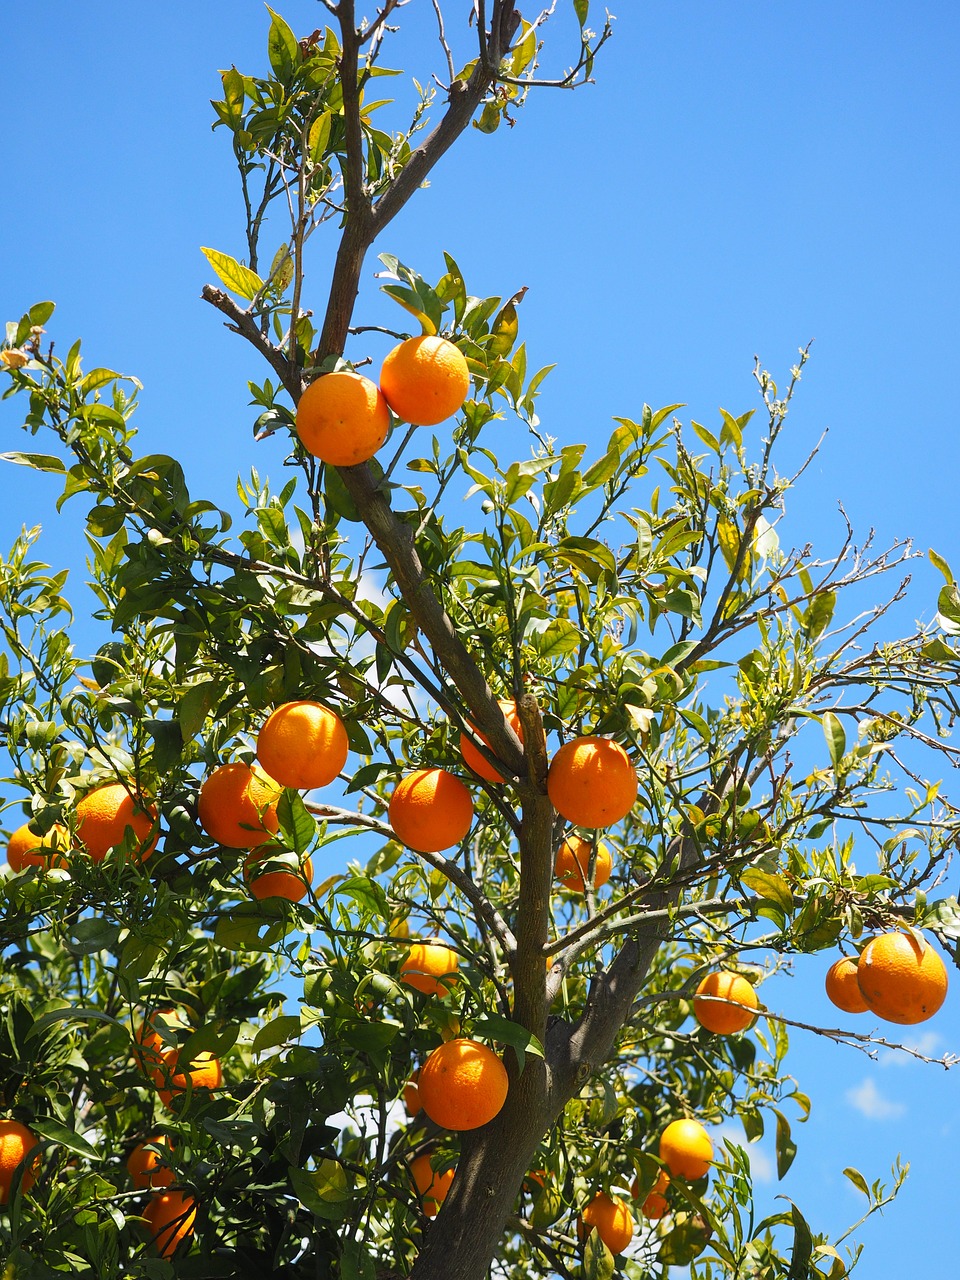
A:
x: 642, y: 593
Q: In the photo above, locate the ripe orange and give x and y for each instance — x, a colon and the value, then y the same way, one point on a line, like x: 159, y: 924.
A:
x: 462, y: 1085
x: 591, y: 782
x: 432, y: 1187
x: 425, y: 380
x: 103, y: 816
x: 145, y: 1168
x: 170, y: 1217
x: 655, y: 1204
x: 430, y: 967
x: 238, y: 806
x: 172, y: 1080
x: 573, y: 863
x: 16, y: 1142
x: 303, y: 745
x: 28, y: 849
x: 472, y: 757
x: 342, y: 418
x: 430, y: 810
x: 411, y: 1096
x: 612, y: 1219
x: 725, y: 1019
x: 842, y: 986
x: 292, y: 884
x: 902, y: 978
x: 686, y: 1149
x: 153, y: 1037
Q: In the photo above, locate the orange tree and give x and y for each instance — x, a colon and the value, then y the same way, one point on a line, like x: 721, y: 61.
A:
x: 617, y: 646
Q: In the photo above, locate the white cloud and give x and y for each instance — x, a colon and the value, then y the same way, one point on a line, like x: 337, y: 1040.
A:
x: 870, y: 1102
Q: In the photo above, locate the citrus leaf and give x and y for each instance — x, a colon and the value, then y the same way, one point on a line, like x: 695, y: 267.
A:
x: 835, y: 736
x: 233, y: 274
x: 39, y: 461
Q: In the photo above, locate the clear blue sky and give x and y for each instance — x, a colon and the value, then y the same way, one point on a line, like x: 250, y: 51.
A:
x: 742, y: 177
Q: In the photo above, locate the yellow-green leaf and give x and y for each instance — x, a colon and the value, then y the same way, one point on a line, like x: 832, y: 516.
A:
x: 238, y: 278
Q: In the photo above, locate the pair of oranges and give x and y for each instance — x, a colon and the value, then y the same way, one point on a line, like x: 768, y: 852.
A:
x: 343, y: 418
x: 170, y: 1214
x: 591, y: 782
x: 104, y: 816
x: 302, y: 745
x: 898, y: 976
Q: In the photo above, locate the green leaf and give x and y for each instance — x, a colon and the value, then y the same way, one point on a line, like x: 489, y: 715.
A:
x: 818, y: 615
x: 771, y: 887
x: 39, y: 461
x: 370, y: 1037
x: 91, y: 935
x: 728, y: 536
x: 319, y: 136
x: 355, y: 1262
x: 580, y: 8
x: 588, y: 555
x: 277, y: 1031
x: 194, y: 706
x: 835, y: 736
x: 48, y: 1127
x: 858, y: 1180
x: 504, y: 331
x: 802, y: 1246
x: 938, y: 562
x: 282, y: 48
x: 238, y: 278
x: 597, y: 1259
x: 422, y: 303
x: 35, y: 318
x: 943, y: 917
x: 492, y: 1026
x: 786, y: 1147
x: 296, y: 822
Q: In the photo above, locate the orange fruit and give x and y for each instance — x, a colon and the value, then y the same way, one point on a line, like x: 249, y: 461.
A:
x: 145, y: 1168
x: 342, y: 418
x: 430, y: 967
x: 432, y: 1187
x: 462, y: 1085
x: 16, y: 1142
x: 105, y: 814
x: 573, y: 863
x: 292, y: 884
x: 472, y: 757
x: 172, y: 1080
x: 686, y: 1149
x: 411, y: 1096
x: 612, y: 1219
x: 28, y: 849
x: 655, y: 1202
x: 238, y: 806
x: 430, y: 810
x: 725, y: 1019
x: 425, y: 380
x: 170, y: 1217
x: 154, y: 1036
x: 902, y: 978
x: 591, y: 782
x: 842, y: 986
x: 303, y: 745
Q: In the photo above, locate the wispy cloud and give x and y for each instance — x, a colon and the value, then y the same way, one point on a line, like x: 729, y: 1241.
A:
x: 870, y: 1102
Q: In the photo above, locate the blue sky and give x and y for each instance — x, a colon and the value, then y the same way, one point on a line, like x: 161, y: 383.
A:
x: 741, y: 178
